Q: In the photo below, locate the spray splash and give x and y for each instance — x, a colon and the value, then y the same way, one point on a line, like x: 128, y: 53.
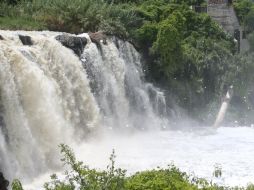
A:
x: 224, y: 107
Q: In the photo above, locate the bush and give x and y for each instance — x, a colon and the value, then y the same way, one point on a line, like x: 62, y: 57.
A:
x: 168, y: 45
x: 85, y: 178
x: 16, y: 185
x: 162, y: 179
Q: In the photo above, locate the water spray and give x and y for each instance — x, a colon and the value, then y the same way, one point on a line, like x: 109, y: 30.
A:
x: 224, y: 107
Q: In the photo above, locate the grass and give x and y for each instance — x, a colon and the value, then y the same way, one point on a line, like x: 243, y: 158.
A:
x: 11, y: 23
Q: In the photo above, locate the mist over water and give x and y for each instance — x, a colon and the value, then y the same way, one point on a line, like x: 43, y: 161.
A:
x: 196, y: 151
x: 95, y: 103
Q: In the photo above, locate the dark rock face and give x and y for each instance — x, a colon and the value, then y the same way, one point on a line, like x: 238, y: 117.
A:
x: 3, y: 182
x: 1, y: 37
x: 3, y: 128
x: 12, y: 2
x: 75, y: 43
x: 97, y: 37
x: 26, y: 40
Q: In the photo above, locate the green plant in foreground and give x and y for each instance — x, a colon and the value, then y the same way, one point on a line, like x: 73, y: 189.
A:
x: 164, y: 179
x: 82, y: 176
x: 16, y: 185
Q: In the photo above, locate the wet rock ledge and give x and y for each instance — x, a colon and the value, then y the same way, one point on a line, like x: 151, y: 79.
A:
x: 3, y: 182
x: 26, y: 40
x: 75, y: 43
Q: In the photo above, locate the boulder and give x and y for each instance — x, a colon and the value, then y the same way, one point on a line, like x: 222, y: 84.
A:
x: 98, y: 37
x: 74, y: 43
x: 3, y: 182
x: 1, y: 37
x: 26, y: 40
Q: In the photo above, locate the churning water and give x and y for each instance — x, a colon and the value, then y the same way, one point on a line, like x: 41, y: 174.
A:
x: 48, y: 96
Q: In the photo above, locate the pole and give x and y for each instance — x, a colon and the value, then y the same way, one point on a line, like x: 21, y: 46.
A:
x: 224, y: 107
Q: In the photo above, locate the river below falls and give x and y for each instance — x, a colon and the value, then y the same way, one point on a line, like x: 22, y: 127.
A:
x: 196, y: 151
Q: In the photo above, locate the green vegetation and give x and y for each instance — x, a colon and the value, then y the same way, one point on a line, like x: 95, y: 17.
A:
x: 245, y: 13
x: 16, y: 185
x: 74, y: 16
x: 8, y: 23
x: 82, y: 177
x: 186, y: 53
x: 243, y: 8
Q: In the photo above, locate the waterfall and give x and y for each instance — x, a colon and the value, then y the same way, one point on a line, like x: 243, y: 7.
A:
x: 116, y: 74
x: 49, y: 95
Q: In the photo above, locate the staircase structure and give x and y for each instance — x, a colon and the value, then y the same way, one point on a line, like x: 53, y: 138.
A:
x: 222, y: 11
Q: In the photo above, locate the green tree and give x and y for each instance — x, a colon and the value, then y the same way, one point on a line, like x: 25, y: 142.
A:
x: 168, y: 44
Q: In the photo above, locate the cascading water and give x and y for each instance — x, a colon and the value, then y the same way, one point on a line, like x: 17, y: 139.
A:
x: 115, y: 74
x: 48, y: 96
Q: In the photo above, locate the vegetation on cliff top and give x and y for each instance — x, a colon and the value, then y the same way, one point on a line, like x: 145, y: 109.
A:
x: 245, y: 13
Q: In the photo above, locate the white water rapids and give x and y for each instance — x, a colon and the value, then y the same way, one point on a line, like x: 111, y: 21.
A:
x: 49, y: 96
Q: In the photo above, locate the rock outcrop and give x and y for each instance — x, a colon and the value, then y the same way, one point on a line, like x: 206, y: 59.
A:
x: 3, y: 182
x: 75, y: 43
x: 26, y: 40
x: 98, y: 37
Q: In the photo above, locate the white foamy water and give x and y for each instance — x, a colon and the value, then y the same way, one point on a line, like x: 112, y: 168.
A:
x: 196, y: 152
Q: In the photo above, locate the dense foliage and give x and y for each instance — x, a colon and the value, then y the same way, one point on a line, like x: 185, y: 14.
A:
x: 188, y: 53
x: 243, y: 8
x: 185, y: 52
x: 80, y: 176
x: 245, y: 13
